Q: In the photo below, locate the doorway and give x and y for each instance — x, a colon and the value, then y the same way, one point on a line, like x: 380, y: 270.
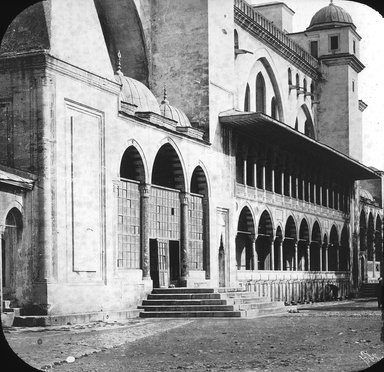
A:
x: 165, y: 262
x: 221, y: 264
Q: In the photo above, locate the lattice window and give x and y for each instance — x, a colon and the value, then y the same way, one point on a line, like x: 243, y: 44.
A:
x: 165, y: 213
x: 196, y: 233
x: 128, y: 252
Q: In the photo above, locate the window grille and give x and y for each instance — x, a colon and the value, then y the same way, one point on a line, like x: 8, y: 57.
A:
x: 196, y: 232
x: 164, y: 213
x: 128, y: 251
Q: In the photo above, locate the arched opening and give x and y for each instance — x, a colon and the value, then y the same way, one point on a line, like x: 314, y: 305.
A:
x: 168, y: 220
x: 296, y: 124
x: 303, y: 246
x: 264, y: 242
x: 297, y: 81
x: 260, y: 93
x: 198, y: 221
x: 247, y: 99
x: 290, y: 238
x: 278, y: 250
x: 289, y: 77
x: 274, y: 112
x: 370, y: 237
x: 333, y: 249
x: 305, y: 86
x: 10, y: 245
x: 363, y: 231
x: 378, y: 240
x: 129, y: 209
x: 244, y: 240
x: 344, y: 250
x: 236, y: 39
x: 315, y: 249
x: 324, y: 253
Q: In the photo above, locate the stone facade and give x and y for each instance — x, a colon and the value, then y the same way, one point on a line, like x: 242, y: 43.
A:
x: 245, y: 190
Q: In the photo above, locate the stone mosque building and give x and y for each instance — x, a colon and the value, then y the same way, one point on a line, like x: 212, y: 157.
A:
x: 193, y: 143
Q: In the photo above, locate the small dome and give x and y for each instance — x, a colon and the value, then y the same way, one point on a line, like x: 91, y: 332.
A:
x: 330, y: 16
x: 173, y: 113
x: 366, y: 195
x: 136, y: 93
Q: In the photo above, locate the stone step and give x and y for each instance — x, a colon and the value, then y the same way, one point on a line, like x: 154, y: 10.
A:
x: 248, y: 300
x: 190, y: 314
x: 184, y: 296
x: 182, y: 290
x: 251, y: 313
x: 183, y: 302
x: 261, y: 306
x: 188, y: 308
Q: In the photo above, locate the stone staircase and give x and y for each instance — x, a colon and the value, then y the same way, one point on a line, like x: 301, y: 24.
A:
x: 206, y: 302
x: 368, y: 290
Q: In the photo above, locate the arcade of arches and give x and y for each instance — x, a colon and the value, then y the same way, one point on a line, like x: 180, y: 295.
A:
x: 259, y: 247
x: 161, y: 227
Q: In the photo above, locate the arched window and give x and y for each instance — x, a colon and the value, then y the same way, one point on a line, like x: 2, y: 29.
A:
x: 312, y: 90
x: 296, y: 124
x: 247, y: 99
x: 236, y: 39
x: 273, y: 108
x: 260, y: 93
x: 289, y: 76
x: 305, y: 85
x: 297, y: 80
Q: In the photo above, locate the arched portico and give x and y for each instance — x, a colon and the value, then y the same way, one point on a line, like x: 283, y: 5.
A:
x: 316, y: 248
x: 290, y: 245
x: 264, y: 242
x: 245, y: 240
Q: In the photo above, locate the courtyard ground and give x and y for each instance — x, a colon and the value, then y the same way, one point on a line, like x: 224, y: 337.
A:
x: 340, y: 336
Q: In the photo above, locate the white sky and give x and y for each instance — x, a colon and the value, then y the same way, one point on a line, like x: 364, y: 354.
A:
x: 370, y: 26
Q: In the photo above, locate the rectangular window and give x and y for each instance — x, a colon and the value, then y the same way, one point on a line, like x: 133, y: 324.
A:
x: 334, y: 42
x: 354, y: 46
x: 314, y: 48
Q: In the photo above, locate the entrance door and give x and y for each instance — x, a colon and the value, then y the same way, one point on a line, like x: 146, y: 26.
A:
x: 221, y: 266
x: 174, y: 262
x: 159, y: 262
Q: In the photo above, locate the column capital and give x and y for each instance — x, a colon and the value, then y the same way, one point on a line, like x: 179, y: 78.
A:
x: 145, y: 190
x: 252, y: 237
x: 2, y: 229
x: 184, y: 198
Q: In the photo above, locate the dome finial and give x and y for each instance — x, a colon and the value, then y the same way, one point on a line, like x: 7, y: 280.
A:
x: 165, y: 100
x: 118, y: 68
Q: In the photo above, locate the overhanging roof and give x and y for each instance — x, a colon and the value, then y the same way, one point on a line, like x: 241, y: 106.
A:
x: 10, y: 178
x: 263, y: 127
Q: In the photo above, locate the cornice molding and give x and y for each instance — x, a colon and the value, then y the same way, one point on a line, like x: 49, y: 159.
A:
x: 276, y: 39
x: 342, y: 59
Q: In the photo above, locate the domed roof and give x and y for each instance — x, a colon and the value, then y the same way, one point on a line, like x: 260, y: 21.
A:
x: 136, y: 93
x: 173, y: 113
x: 366, y: 195
x: 330, y: 16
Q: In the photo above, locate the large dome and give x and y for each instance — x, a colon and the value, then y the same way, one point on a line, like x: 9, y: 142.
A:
x: 330, y: 16
x: 136, y: 93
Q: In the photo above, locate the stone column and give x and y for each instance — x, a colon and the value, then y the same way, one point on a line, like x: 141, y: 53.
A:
x: 273, y: 179
x: 296, y: 256
x: 321, y: 195
x: 263, y: 165
x: 272, y: 242
x: 281, y: 254
x: 374, y: 255
x: 2, y: 229
x: 327, y: 196
x: 245, y: 171
x: 314, y: 193
x: 326, y: 256
x: 337, y: 258
x: 303, y: 187
x: 255, y: 174
x: 254, y: 253
x: 290, y: 185
x: 309, y: 191
x: 309, y: 256
x: 184, y: 237
x: 145, y: 192
x: 321, y: 255
x: 282, y: 183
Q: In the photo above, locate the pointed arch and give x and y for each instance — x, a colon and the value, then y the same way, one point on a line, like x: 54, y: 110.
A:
x: 289, y: 77
x: 378, y: 239
x: 260, y: 93
x: 132, y: 165
x: 315, y: 255
x: 168, y: 170
x: 304, y: 230
x: 290, y: 228
x: 245, y: 234
x: 333, y: 248
x: 274, y: 112
x: 370, y: 236
x: 265, y: 226
x: 363, y: 230
x: 247, y: 99
x: 344, y: 255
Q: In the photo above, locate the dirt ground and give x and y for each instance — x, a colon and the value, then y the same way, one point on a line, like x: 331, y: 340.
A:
x: 334, y: 337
